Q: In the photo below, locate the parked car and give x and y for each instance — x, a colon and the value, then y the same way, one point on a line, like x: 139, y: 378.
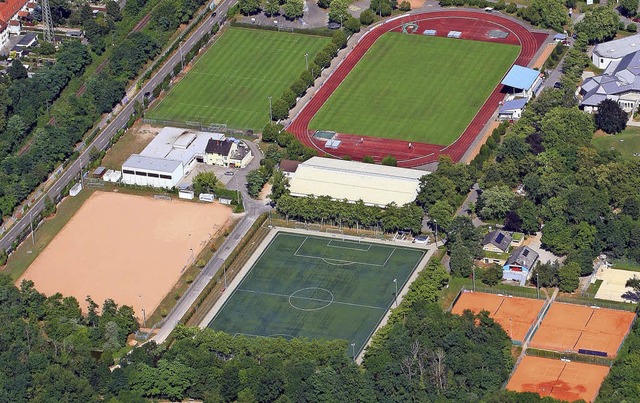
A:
x: 229, y: 173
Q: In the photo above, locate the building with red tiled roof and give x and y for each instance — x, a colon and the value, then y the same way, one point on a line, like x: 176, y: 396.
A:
x: 11, y: 11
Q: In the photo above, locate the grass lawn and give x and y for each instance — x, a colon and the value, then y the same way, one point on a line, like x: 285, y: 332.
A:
x: 627, y: 142
x: 319, y: 288
x: 416, y: 88
x: 231, y: 83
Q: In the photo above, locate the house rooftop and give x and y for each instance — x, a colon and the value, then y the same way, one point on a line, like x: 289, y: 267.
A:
x: 289, y: 166
x: 9, y: 8
x: 220, y: 147
x: 499, y: 239
x: 523, y: 256
x: 513, y: 105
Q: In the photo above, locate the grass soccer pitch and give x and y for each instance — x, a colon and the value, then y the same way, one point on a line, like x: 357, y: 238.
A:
x: 231, y: 83
x: 318, y: 288
x: 416, y: 88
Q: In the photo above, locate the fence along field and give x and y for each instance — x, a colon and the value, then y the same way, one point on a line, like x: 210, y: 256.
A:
x: 318, y: 287
x: 231, y: 83
x: 416, y: 88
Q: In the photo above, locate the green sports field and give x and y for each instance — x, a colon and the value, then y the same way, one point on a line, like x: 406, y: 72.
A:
x: 317, y: 287
x: 416, y: 88
x: 231, y: 83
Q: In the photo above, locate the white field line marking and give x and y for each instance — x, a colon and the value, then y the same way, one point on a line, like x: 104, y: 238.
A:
x: 311, y: 299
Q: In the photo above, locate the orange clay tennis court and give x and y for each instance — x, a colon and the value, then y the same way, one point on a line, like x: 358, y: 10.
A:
x: 559, y: 379
x: 568, y: 327
x: 521, y: 311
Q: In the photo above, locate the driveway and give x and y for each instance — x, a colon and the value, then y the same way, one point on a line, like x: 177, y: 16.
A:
x: 534, y: 242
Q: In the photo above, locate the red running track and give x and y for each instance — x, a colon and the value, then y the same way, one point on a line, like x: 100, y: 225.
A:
x: 473, y: 25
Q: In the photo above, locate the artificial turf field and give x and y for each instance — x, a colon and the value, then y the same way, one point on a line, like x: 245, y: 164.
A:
x: 317, y: 287
x: 416, y: 88
x: 231, y: 83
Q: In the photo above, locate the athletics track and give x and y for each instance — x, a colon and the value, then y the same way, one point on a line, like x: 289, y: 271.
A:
x: 473, y: 25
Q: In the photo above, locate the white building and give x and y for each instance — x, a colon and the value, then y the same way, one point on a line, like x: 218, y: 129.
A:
x: 167, y: 158
x: 149, y: 171
x: 375, y: 185
x: 11, y: 14
x: 619, y: 82
x: 227, y: 153
x: 613, y: 51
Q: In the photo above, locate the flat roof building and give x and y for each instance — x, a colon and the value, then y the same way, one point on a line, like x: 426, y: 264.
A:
x: 149, y: 171
x: 375, y: 185
x: 523, y: 79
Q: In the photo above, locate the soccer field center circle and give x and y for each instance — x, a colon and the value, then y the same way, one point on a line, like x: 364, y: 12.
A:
x: 474, y: 25
x: 307, y: 296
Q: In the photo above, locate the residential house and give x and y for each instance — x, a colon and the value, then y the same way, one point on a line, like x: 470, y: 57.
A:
x: 227, y: 153
x: 11, y: 14
x: 519, y: 265
x: 496, y: 247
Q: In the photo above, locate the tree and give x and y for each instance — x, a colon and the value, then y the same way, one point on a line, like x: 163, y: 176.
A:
x: 293, y: 9
x: 569, y: 277
x: 280, y: 109
x: 546, y: 13
x: 405, y: 6
x: 442, y: 213
x: 113, y: 10
x: 255, y: 182
x: 492, y: 275
x: 249, y: 7
x: 528, y: 213
x: 279, y: 185
x: 367, y: 17
x: 352, y: 25
x: 610, y: 117
x: 389, y: 160
x: 600, y: 24
x: 496, y: 202
x: 271, y: 7
x: 324, y: 3
x: 546, y: 274
x: 461, y: 262
x: 338, y: 11
x: 16, y: 70
x: 205, y: 182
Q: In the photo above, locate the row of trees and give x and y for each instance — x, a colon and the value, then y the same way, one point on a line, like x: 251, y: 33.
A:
x: 323, y: 210
x: 510, y: 8
x: 281, y: 106
x: 291, y: 9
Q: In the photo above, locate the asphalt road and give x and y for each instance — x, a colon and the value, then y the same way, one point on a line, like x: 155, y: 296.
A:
x: 109, y: 129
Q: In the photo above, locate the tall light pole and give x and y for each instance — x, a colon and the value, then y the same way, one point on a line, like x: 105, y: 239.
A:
x: 353, y: 351
x: 270, y: 110
x: 537, y: 286
x: 474, y: 278
x: 306, y: 60
x: 436, y: 223
x: 224, y: 271
x: 144, y: 313
x: 395, y: 281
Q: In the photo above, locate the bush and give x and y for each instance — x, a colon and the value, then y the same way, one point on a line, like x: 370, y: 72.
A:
x: 621, y: 26
x: 632, y: 27
x: 367, y: 17
x: 367, y: 159
x: 512, y: 8
x: 389, y: 160
x: 352, y: 25
x: 405, y: 6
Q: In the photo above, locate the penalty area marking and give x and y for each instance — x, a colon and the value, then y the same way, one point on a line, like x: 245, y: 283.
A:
x: 339, y: 262
x: 349, y: 242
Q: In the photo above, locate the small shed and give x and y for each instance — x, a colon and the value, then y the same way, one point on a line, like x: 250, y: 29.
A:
x: 99, y: 172
x: 75, y: 189
x: 512, y: 109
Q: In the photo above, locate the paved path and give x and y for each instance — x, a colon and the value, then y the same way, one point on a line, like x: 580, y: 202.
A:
x: 253, y: 209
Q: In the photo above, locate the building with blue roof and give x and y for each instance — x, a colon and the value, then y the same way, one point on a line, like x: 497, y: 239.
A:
x: 522, y: 80
x: 512, y: 109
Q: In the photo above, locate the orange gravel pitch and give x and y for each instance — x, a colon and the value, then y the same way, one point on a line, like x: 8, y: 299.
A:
x: 522, y: 311
x: 131, y: 249
x: 561, y: 380
x: 568, y: 327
